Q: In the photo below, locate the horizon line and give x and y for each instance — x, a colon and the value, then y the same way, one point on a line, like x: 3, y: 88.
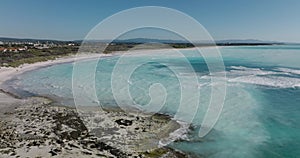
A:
x: 73, y: 40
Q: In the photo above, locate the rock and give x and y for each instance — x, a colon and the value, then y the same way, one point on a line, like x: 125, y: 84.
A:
x: 52, y: 153
x: 124, y: 122
x: 58, y: 141
x: 73, y: 146
x: 75, y: 134
x: 57, y: 150
x: 27, y: 132
x: 86, y: 153
x: 65, y: 133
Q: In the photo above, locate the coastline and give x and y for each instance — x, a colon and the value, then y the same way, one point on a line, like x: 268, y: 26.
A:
x: 39, y: 129
x: 11, y: 108
x: 7, y: 99
x: 7, y: 73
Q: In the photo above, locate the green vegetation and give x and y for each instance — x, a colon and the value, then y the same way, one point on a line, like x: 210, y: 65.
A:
x: 31, y: 60
x: 127, y: 46
x: 118, y: 47
x: 32, y: 54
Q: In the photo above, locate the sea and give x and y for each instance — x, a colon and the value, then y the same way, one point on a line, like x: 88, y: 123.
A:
x: 260, y: 116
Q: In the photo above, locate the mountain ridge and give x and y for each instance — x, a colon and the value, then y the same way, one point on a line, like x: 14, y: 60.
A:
x: 140, y: 40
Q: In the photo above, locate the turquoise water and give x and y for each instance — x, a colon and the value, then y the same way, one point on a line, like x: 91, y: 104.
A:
x: 261, y: 112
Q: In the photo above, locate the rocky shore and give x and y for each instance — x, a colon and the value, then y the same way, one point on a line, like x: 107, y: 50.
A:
x: 37, y: 128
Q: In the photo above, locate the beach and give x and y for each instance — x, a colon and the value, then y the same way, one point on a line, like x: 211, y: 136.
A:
x: 7, y: 73
x: 34, y: 127
x: 259, y: 117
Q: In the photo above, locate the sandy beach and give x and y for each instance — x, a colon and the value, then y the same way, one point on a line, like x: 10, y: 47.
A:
x: 7, y: 73
x: 34, y: 127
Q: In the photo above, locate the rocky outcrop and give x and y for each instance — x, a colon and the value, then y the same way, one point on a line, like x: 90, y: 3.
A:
x: 40, y: 129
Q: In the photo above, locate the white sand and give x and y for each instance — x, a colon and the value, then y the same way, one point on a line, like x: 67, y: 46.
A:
x: 6, y: 73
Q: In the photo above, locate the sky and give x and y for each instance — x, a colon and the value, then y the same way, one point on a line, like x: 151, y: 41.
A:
x: 272, y: 20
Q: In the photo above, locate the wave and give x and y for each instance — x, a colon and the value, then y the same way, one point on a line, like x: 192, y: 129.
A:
x: 278, y: 82
x: 291, y: 71
x: 179, y: 134
x: 240, y: 70
x: 278, y: 77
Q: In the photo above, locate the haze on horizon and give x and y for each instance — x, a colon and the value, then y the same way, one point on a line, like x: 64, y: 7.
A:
x: 233, y: 19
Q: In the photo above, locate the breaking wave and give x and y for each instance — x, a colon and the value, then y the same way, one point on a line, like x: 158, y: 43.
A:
x: 278, y: 77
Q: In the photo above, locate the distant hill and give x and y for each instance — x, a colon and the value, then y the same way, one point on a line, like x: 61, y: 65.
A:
x: 134, y: 40
x: 6, y: 39
x: 149, y: 40
x: 234, y: 41
x: 249, y: 41
x: 145, y: 40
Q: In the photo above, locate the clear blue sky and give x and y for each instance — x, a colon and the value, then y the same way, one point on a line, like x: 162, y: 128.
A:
x: 277, y: 20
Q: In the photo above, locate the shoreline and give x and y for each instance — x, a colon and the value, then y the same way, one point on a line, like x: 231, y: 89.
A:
x: 7, y: 73
x: 39, y: 129
x: 8, y: 99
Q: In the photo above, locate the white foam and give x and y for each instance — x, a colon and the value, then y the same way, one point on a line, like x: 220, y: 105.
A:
x: 292, y: 71
x: 243, y: 68
x: 262, y: 77
x: 279, y: 82
x: 257, y: 76
x: 250, y: 71
x: 180, y: 133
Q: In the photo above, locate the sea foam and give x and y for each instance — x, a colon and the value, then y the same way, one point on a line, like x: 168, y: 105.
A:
x: 279, y: 77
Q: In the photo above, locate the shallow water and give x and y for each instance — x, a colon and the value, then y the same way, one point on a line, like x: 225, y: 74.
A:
x: 261, y: 112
